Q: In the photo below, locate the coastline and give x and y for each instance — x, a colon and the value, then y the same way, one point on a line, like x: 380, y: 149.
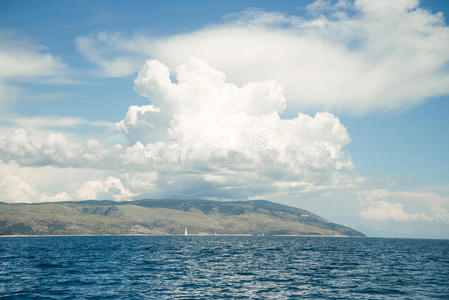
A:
x: 205, y: 235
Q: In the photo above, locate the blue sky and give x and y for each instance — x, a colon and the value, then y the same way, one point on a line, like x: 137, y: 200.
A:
x: 392, y: 131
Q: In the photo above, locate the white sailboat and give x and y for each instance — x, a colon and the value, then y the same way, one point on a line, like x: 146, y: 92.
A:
x: 185, y: 231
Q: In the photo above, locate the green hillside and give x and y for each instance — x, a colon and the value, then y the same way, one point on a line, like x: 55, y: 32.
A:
x: 164, y: 216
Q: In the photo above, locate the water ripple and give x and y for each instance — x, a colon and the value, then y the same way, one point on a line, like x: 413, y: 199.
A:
x: 137, y: 267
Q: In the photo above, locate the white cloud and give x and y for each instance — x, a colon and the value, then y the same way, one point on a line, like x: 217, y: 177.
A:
x: 383, y: 210
x: 400, y: 206
x: 360, y: 57
x: 142, y: 183
x: 45, y: 183
x: 55, y: 150
x: 203, y: 123
x: 110, y: 188
x: 39, y: 122
x: 63, y: 196
x: 15, y: 189
x: 220, y: 143
x: 203, y: 110
x: 97, y: 51
x: 142, y: 121
x: 23, y: 60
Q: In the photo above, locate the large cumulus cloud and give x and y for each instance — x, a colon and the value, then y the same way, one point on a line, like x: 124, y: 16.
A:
x: 205, y: 123
x: 202, y: 136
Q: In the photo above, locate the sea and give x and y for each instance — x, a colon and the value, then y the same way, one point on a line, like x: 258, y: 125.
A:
x: 222, y: 267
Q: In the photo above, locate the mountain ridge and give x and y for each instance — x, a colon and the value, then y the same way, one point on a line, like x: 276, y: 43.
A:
x: 164, y: 216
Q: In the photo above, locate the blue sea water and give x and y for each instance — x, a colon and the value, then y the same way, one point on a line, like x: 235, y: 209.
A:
x: 216, y: 267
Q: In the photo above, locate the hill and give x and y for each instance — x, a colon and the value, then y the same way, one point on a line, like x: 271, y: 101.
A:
x: 164, y: 216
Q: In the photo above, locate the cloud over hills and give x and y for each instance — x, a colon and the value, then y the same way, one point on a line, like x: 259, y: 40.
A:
x: 221, y: 139
x: 244, y: 108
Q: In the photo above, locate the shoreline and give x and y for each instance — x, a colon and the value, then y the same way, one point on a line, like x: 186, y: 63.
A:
x: 205, y: 235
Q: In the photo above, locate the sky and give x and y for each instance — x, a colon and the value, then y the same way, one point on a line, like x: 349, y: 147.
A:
x: 338, y: 107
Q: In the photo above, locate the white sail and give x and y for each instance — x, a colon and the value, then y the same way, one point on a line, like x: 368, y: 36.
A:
x: 185, y: 230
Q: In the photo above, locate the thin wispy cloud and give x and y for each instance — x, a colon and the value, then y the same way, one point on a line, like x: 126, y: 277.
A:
x: 24, y: 61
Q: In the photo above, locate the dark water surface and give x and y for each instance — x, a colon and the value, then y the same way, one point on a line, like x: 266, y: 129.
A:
x: 161, y: 267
